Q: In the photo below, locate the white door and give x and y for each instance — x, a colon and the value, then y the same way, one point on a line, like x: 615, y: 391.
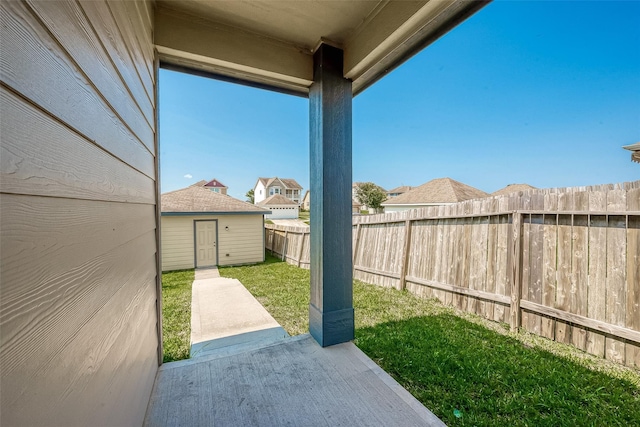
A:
x: 206, y: 241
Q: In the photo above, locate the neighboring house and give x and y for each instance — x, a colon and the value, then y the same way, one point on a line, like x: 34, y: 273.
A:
x: 355, y: 202
x: 356, y: 206
x: 306, y: 201
x: 216, y: 186
x: 202, y: 228
x: 513, y: 188
x: 287, y: 187
x: 441, y: 191
x: 398, y: 191
x: 635, y: 151
x: 280, y: 207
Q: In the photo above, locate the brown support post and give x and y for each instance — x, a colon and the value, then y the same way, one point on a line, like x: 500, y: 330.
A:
x: 405, y: 255
x: 516, y: 286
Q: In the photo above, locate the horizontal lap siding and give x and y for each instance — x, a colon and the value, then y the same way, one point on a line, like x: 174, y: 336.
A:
x: 243, y: 241
x: 77, y: 205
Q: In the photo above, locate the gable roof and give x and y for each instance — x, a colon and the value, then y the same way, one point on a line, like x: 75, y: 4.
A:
x: 513, y: 188
x: 635, y: 151
x: 215, y: 183
x: 276, y: 199
x: 194, y: 199
x: 400, y: 190
x: 440, y: 190
x: 288, y: 183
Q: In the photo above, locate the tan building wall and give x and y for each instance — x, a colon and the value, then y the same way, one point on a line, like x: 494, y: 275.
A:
x: 241, y: 243
x: 77, y: 206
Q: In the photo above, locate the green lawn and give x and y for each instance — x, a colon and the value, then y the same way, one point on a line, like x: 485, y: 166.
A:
x: 468, y: 371
x: 176, y: 314
x: 304, y: 215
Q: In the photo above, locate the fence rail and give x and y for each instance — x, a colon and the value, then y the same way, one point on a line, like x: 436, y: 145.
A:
x: 560, y: 263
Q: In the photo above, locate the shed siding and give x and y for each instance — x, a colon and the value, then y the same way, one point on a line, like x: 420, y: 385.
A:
x: 242, y: 241
x: 77, y: 207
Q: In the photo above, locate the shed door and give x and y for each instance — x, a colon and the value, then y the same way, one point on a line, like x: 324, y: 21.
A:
x: 206, y: 242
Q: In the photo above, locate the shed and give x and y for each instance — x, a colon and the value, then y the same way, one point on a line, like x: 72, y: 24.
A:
x: 202, y: 228
x: 440, y: 191
x: 280, y: 207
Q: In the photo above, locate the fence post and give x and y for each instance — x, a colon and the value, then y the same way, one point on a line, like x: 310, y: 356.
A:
x: 272, y: 239
x: 516, y: 286
x: 284, y: 244
x: 355, y: 249
x: 405, y: 255
x: 301, y: 248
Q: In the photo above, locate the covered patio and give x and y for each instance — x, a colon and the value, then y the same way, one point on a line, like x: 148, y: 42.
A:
x: 81, y: 316
x: 328, y: 52
x: 245, y: 370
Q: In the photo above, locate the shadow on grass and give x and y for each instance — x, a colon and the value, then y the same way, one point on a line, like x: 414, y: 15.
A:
x: 451, y: 364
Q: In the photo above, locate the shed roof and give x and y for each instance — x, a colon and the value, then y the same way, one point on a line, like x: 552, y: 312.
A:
x: 513, y: 188
x: 276, y: 200
x: 440, y: 190
x: 197, y: 199
x: 635, y: 151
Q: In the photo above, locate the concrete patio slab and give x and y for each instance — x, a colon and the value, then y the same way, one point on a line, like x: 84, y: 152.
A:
x: 246, y: 371
x: 292, y: 383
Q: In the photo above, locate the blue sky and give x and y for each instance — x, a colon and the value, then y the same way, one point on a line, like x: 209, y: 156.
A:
x: 541, y: 92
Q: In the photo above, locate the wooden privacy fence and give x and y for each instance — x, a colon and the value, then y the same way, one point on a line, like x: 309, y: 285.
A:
x: 291, y: 244
x: 560, y: 263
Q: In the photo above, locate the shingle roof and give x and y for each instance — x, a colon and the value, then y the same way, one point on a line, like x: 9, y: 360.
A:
x: 635, y: 151
x: 513, y: 188
x: 199, y: 183
x: 200, y: 199
x: 276, y: 199
x: 215, y: 183
x: 441, y: 190
x: 291, y: 183
x: 288, y: 183
x: 400, y: 190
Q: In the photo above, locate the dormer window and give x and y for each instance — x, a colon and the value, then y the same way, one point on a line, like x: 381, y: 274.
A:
x: 274, y: 190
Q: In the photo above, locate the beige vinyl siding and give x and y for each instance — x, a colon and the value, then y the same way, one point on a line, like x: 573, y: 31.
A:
x: 77, y: 213
x: 243, y: 241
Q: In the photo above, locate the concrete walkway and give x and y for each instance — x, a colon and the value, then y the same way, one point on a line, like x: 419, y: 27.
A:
x: 226, y: 318
x: 245, y: 371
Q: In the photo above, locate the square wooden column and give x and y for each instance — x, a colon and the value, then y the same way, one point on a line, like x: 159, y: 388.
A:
x: 331, y: 307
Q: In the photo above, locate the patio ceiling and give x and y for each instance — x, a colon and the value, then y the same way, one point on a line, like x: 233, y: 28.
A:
x: 271, y: 42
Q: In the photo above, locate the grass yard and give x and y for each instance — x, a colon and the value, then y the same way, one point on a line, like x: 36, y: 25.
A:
x: 468, y: 371
x: 176, y: 314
